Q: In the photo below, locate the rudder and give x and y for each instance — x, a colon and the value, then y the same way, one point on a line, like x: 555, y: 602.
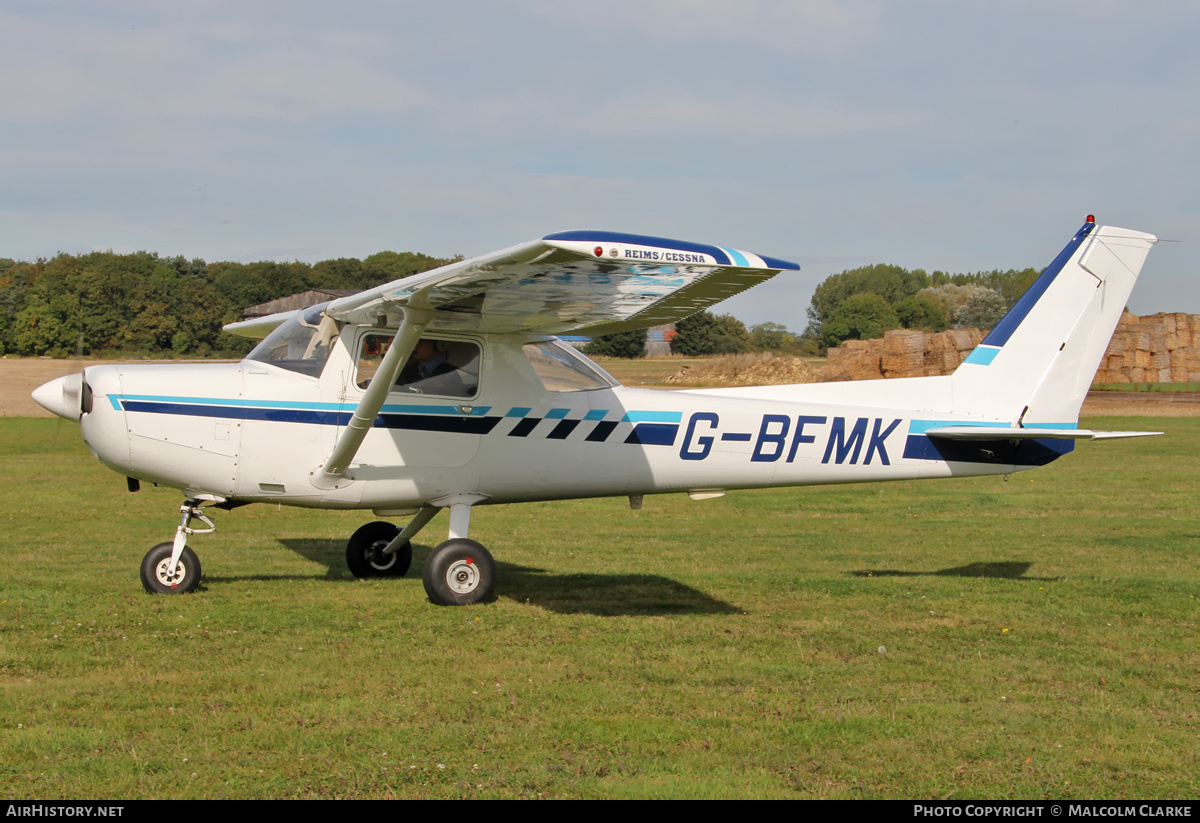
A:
x: 1036, y: 365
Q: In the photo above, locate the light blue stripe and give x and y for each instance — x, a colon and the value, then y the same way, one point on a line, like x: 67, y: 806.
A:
x: 112, y: 398
x: 652, y: 417
x: 595, y: 414
x: 257, y: 404
x: 518, y: 411
x: 737, y: 257
x: 557, y: 414
x: 922, y: 426
x: 982, y: 355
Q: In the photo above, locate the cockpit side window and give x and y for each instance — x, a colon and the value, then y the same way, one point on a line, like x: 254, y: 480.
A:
x: 301, y: 343
x: 445, y: 368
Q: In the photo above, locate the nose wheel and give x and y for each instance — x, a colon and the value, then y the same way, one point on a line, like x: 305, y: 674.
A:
x: 173, y: 568
x: 159, y: 578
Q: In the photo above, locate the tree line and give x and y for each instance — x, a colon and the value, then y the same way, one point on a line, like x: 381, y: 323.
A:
x: 860, y: 303
x: 865, y: 302
x: 104, y: 304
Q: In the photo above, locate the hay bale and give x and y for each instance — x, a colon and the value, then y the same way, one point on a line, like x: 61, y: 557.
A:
x: 1179, y: 366
x: 904, y: 353
x: 763, y: 369
x: 963, y: 339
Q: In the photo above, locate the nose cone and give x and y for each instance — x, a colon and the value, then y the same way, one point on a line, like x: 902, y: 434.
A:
x: 61, y: 396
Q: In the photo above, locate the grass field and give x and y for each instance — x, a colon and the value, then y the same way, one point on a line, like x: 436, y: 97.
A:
x: 1036, y: 638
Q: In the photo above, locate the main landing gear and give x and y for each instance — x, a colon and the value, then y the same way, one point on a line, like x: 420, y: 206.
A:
x: 459, y: 572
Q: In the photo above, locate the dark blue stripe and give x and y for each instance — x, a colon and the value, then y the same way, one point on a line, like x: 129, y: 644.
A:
x: 523, y: 428
x: 653, y: 434
x: 601, y: 432
x: 640, y: 240
x: 1001, y: 452
x: 776, y: 263
x: 737, y: 437
x: 325, y: 418
x: 437, y: 423
x: 564, y: 428
x: 412, y: 422
x: 1008, y: 324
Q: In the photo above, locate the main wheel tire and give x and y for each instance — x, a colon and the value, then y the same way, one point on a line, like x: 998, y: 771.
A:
x: 459, y: 572
x: 154, y: 570
x: 363, y: 552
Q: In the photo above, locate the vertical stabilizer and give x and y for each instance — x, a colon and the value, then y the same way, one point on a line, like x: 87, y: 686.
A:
x: 1036, y: 365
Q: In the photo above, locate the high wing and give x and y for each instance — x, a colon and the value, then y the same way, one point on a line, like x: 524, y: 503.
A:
x: 601, y: 282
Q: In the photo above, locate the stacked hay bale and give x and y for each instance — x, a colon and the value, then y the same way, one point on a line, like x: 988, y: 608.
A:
x: 1157, y: 348
x: 901, y: 353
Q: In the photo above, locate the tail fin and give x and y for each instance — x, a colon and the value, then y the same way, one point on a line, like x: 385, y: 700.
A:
x: 1036, y: 365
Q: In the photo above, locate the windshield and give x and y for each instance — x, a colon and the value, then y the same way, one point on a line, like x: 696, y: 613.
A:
x: 300, y: 344
x: 561, y: 369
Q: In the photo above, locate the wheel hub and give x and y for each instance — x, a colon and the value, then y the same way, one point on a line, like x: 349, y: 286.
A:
x: 172, y: 580
x: 462, y: 576
x: 377, y: 558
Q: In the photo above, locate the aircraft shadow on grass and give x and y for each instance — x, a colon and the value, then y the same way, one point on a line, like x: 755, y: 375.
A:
x: 1005, y: 569
x: 601, y: 594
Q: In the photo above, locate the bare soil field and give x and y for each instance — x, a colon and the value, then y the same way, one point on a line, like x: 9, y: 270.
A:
x: 20, y: 376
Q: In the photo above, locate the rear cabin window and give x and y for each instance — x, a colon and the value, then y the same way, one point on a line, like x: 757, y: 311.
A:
x: 561, y: 369
x: 445, y: 368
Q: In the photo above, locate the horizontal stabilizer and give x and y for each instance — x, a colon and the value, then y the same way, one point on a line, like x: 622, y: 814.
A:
x: 1003, y: 433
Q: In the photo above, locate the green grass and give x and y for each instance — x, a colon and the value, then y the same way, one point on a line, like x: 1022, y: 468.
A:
x: 1162, y: 388
x: 967, y: 638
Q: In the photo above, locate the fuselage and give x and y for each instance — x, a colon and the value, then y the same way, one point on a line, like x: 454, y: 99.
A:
x: 527, y: 419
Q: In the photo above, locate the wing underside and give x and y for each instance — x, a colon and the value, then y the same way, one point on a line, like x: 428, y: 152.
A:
x: 593, y: 282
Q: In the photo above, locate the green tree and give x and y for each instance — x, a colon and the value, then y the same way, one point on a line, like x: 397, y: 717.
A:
x: 860, y: 317
x: 628, y: 344
x: 771, y: 337
x: 981, y: 311
x: 919, y: 312
x: 892, y: 283
x: 704, y: 333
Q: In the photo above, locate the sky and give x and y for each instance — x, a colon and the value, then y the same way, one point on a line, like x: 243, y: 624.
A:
x: 939, y: 135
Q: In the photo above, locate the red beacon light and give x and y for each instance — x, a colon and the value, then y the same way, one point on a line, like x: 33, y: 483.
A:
x: 1091, y: 218
x: 598, y: 251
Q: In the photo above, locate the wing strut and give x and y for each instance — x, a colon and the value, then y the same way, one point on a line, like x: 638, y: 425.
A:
x: 333, y: 474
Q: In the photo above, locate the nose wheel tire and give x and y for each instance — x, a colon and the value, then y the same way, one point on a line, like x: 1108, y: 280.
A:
x: 459, y: 572
x: 364, y: 552
x: 154, y: 571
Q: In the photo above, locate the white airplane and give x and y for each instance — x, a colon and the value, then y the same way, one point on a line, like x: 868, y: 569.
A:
x: 448, y: 390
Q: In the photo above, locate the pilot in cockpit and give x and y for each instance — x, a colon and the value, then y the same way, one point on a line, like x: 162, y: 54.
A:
x: 429, y: 372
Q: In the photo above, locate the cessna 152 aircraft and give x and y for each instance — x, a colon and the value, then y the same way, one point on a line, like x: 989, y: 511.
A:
x: 448, y: 390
